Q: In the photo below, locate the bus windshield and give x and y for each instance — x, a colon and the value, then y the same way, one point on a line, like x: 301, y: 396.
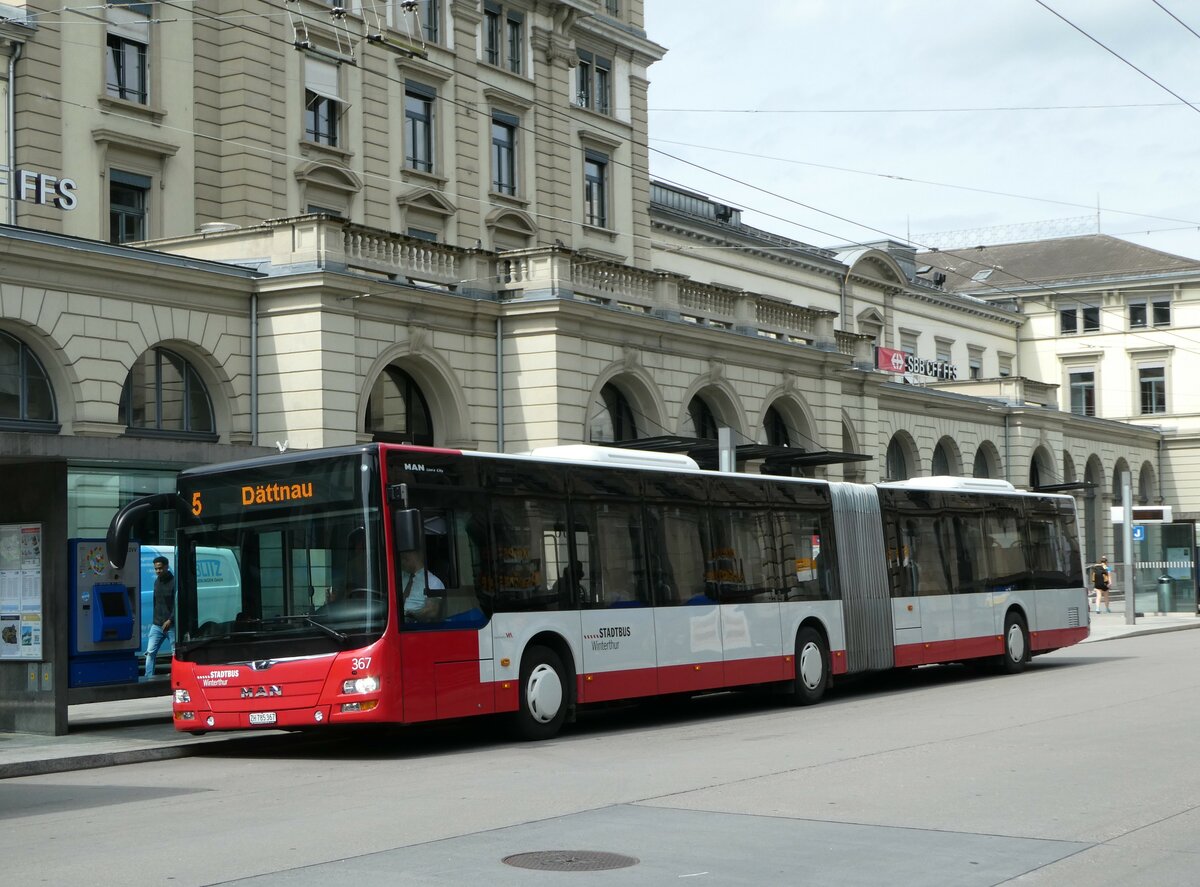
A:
x: 281, y: 578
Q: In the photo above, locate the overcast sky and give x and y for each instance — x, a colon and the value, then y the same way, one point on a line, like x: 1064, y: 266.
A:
x: 851, y: 98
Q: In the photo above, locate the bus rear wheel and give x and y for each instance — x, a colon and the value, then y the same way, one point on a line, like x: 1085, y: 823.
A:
x: 544, y: 695
x: 1016, y: 644
x: 812, y: 667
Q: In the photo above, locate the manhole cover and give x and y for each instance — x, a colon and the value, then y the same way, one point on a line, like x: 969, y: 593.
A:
x: 569, y: 861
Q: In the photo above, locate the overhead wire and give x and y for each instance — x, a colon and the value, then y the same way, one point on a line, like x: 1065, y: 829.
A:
x: 1116, y: 54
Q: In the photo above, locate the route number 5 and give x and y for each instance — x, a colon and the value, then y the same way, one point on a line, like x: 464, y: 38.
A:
x: 197, y: 505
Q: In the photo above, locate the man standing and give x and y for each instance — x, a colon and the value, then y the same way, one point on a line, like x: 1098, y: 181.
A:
x: 164, y: 612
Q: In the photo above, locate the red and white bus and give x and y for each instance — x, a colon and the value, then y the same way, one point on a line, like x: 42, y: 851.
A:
x: 385, y: 583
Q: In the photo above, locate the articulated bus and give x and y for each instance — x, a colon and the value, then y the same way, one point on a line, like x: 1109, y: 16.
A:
x: 580, y: 575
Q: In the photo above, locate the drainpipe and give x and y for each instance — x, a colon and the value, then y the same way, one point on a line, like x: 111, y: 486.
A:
x: 1007, y: 454
x: 253, y: 369
x: 1162, y: 440
x: 11, y: 123
x: 499, y: 384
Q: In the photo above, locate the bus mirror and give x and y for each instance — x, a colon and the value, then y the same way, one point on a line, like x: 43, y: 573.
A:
x: 116, y: 541
x: 406, y: 528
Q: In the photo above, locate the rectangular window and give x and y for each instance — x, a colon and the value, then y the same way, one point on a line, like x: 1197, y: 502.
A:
x: 975, y: 366
x: 418, y: 127
x: 612, y: 7
x: 1153, y: 384
x: 128, y: 44
x: 514, y: 27
x: 593, y: 76
x: 504, y: 153
x: 1137, y: 315
x: 1091, y: 318
x: 1162, y: 312
x: 491, y: 33
x: 422, y: 234
x: 428, y: 10
x: 595, y: 193
x: 943, y: 347
x: 322, y: 101
x: 1005, y: 365
x: 419, y: 21
x: 126, y: 69
x: 1068, y: 321
x: 1083, y: 393
x: 127, y: 206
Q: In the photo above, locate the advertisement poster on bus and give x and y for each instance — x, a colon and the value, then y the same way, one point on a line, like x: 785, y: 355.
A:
x: 20, y: 591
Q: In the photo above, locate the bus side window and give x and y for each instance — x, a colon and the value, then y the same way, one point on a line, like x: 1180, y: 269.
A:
x: 680, y: 559
x: 608, y: 552
x: 531, y: 544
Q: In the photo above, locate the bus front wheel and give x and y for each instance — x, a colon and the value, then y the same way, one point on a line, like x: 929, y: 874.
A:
x: 1016, y: 644
x: 812, y: 667
x: 544, y: 694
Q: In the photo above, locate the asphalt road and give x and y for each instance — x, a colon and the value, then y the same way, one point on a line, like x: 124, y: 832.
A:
x: 1082, y: 771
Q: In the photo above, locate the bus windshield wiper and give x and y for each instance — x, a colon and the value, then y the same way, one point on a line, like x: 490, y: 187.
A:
x: 338, y: 636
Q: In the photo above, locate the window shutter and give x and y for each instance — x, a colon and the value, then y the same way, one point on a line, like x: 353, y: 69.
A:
x: 130, y: 25
x: 321, y: 77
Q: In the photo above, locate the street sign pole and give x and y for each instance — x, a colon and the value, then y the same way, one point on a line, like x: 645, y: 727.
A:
x: 1127, y: 547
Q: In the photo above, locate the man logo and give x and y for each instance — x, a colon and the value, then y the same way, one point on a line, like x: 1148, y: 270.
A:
x: 259, y: 692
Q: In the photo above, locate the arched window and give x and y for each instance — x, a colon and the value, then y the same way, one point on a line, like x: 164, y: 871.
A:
x: 897, y: 463
x: 941, y: 460
x: 613, y: 420
x: 981, y: 467
x: 25, y: 394
x: 163, y: 393
x: 397, y: 411
x: 776, y: 428
x: 700, y: 421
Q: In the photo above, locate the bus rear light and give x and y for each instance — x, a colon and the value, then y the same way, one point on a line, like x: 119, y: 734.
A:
x: 368, y: 684
x: 183, y: 696
x: 365, y: 705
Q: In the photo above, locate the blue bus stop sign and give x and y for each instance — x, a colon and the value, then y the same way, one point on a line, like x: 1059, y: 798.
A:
x: 1139, y: 533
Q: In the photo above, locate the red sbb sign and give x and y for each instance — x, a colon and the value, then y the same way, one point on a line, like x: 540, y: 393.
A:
x: 892, y: 361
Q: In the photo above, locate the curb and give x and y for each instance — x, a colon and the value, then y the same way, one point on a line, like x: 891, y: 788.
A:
x: 45, y: 766
x: 95, y: 761
x: 1141, y: 632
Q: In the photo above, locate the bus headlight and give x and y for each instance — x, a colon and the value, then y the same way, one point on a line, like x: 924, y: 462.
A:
x: 183, y: 696
x: 361, y: 685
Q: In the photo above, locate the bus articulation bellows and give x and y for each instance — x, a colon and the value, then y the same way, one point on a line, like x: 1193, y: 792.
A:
x: 399, y: 584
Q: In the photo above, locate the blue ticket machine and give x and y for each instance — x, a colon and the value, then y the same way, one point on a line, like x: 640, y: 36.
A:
x: 105, y: 616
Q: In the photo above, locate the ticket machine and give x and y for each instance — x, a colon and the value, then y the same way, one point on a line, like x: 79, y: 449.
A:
x: 105, y: 615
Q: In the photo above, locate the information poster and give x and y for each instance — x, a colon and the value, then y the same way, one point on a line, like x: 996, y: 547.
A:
x: 20, y: 591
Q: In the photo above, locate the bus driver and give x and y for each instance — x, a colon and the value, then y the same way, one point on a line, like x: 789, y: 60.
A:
x: 415, y: 581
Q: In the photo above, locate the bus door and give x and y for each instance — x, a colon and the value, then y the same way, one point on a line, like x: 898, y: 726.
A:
x: 904, y: 580
x: 445, y: 647
x: 608, y: 576
x: 974, y: 614
x: 684, y: 569
x: 749, y: 587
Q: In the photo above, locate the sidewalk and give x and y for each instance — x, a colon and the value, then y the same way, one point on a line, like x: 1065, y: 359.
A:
x: 104, y: 734
x: 1106, y: 626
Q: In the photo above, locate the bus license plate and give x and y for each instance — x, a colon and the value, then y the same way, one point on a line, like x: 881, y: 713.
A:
x: 262, y: 717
